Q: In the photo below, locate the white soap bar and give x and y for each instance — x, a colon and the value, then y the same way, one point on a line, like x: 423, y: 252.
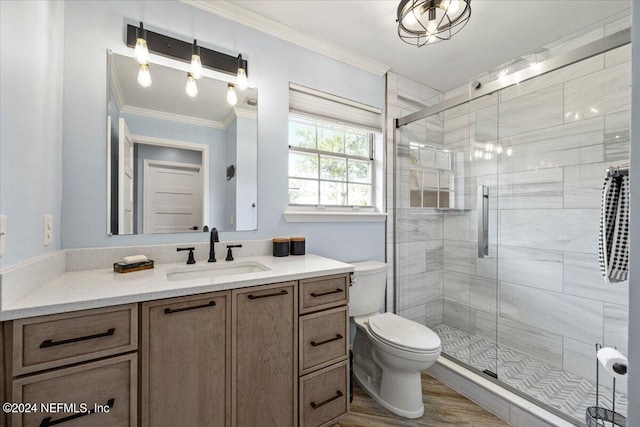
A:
x: 134, y: 259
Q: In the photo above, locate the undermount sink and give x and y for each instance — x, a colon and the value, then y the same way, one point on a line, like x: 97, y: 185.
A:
x: 215, y: 270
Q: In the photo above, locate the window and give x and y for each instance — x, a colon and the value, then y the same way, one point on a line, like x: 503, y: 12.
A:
x: 336, y: 164
x: 330, y: 164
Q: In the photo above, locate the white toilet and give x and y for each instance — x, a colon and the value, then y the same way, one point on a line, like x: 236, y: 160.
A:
x: 388, y: 351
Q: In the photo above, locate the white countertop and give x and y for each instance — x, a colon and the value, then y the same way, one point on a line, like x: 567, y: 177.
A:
x: 80, y: 290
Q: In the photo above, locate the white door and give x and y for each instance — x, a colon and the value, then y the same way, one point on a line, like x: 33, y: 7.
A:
x: 172, y: 197
x: 125, y: 179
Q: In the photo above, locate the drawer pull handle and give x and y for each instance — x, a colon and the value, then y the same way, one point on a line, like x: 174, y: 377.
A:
x: 50, y: 343
x: 282, y: 292
x: 195, y: 307
x: 337, y: 291
x: 46, y: 422
x: 315, y: 344
x: 338, y: 395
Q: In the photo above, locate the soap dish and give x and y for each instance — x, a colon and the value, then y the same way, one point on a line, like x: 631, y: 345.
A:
x: 120, y: 267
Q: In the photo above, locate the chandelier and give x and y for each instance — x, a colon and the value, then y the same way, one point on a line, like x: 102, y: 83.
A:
x: 423, y: 22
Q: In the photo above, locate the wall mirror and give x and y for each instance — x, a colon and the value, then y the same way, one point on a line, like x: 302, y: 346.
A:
x: 169, y: 153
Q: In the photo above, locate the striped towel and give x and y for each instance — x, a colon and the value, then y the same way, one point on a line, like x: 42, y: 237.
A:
x: 614, y: 229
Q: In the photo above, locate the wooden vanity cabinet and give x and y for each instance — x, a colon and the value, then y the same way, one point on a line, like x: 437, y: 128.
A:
x: 268, y: 355
x: 324, y: 350
x: 86, y: 361
x: 186, y: 360
x: 265, y: 358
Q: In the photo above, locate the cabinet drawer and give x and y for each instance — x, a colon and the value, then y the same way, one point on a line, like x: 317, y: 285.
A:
x: 324, y: 395
x: 46, y: 342
x: 324, y: 338
x: 324, y: 292
x: 84, y: 389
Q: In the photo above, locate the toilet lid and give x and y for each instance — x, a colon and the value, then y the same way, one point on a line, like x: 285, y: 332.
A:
x: 401, y: 332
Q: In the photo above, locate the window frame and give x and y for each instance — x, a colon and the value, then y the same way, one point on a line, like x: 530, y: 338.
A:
x: 371, y: 160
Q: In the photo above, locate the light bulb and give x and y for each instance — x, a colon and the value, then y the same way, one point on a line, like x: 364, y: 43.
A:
x: 411, y: 18
x: 509, y: 151
x: 241, y: 79
x: 432, y: 27
x: 499, y: 149
x: 489, y: 147
x: 196, y: 67
x: 488, y: 156
x: 232, y: 98
x: 453, y: 7
x: 192, y: 88
x: 144, y: 76
x: 141, y: 52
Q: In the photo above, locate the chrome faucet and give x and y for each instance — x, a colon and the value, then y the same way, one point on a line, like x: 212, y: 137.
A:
x: 213, y: 239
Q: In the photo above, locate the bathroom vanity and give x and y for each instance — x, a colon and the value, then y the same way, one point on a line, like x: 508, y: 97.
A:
x: 262, y: 348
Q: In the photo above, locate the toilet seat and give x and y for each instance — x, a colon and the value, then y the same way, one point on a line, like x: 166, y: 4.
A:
x: 403, y: 334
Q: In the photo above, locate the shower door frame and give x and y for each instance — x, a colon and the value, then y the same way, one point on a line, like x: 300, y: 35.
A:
x: 598, y: 47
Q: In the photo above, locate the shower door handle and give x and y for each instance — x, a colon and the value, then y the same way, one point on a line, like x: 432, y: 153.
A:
x: 482, y: 207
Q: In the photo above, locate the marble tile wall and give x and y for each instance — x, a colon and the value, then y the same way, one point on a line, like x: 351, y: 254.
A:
x: 540, y: 287
x: 565, y: 129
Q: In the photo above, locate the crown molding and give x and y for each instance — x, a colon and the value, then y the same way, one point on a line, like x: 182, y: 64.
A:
x: 127, y: 109
x: 238, y: 112
x: 249, y: 18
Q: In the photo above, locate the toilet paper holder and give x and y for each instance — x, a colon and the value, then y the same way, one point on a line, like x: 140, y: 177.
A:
x: 596, y: 416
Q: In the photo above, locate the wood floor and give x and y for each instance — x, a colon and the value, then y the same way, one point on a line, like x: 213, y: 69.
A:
x: 442, y: 407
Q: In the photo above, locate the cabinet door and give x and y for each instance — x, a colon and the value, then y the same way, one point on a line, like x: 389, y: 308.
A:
x: 186, y: 361
x: 98, y: 394
x: 265, y: 356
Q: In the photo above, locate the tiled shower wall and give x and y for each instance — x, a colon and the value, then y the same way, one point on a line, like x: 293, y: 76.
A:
x: 540, y: 290
x: 418, y: 237
x: 565, y: 129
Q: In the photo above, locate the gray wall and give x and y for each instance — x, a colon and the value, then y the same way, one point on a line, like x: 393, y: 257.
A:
x: 634, y: 291
x: 93, y: 27
x: 31, y: 52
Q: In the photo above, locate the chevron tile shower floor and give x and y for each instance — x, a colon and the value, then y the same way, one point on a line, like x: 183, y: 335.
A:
x: 565, y: 391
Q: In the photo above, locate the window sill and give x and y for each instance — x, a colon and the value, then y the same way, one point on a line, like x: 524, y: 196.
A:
x: 313, y: 216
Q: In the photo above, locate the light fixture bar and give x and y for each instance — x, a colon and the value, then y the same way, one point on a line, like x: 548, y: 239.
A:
x: 181, y: 50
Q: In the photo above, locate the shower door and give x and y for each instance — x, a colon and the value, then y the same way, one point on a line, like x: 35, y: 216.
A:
x: 446, y: 228
x: 470, y: 235
x: 497, y: 222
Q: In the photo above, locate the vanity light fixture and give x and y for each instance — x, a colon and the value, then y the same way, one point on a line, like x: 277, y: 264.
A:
x: 192, y: 88
x: 144, y: 76
x: 241, y: 78
x: 141, y: 51
x: 196, y: 65
x: 423, y: 22
x: 181, y: 50
x: 232, y: 97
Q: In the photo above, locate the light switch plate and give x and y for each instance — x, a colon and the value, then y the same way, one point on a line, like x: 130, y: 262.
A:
x: 48, y: 230
x: 3, y: 234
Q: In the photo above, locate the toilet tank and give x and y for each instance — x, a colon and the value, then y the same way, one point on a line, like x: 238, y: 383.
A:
x: 366, y: 295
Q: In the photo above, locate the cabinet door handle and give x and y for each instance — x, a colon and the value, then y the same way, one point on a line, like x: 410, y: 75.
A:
x: 46, y: 422
x: 195, y: 307
x: 50, y: 343
x: 337, y: 291
x: 282, y: 292
x: 337, y: 337
x: 338, y: 395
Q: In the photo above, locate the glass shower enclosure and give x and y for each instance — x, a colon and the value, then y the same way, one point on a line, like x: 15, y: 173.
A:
x: 497, y: 209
